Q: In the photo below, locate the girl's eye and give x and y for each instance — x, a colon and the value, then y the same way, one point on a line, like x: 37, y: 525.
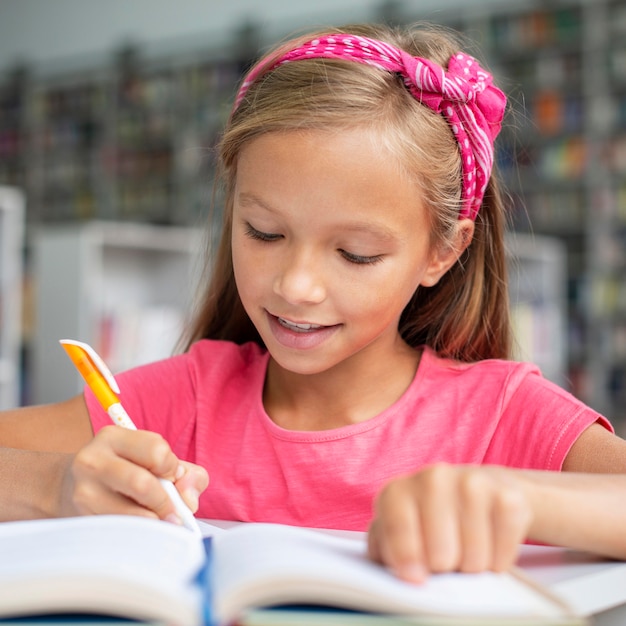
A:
x: 259, y: 235
x: 357, y: 259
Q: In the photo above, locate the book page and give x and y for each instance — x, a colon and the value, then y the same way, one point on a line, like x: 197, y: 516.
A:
x: 264, y: 564
x: 106, y: 564
x: 210, y: 528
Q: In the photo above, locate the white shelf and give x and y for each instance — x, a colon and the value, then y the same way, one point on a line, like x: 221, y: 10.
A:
x: 537, y: 283
x: 11, y: 273
x: 123, y: 288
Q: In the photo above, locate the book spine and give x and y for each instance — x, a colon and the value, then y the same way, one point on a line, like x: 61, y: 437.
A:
x: 204, y: 579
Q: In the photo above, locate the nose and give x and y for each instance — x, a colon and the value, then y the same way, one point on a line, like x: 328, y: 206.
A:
x: 301, y: 279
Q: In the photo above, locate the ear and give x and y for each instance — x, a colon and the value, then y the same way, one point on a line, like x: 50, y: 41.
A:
x: 444, y: 257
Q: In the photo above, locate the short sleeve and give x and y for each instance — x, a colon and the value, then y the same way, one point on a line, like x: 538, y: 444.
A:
x: 158, y: 396
x: 540, y: 422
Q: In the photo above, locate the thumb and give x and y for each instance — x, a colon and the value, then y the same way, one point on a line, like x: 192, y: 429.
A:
x: 191, y: 481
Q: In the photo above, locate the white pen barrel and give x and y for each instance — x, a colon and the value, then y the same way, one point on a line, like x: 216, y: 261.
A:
x: 120, y: 417
x: 184, y: 512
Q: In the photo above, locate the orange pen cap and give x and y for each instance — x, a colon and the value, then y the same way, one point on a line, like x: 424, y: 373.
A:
x: 93, y: 369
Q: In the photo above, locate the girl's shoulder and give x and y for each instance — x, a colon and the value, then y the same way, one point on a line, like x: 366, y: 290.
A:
x: 515, y: 386
x: 487, y: 371
x: 163, y: 394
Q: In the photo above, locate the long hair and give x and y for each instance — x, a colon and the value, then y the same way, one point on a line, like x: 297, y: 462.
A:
x: 465, y: 315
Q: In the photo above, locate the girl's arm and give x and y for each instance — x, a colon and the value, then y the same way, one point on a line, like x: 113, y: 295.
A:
x: 62, y: 427
x: 37, y: 445
x: 51, y: 465
x: 584, y: 506
x: 472, y: 518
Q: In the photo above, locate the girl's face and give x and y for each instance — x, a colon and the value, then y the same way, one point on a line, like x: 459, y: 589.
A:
x: 330, y: 240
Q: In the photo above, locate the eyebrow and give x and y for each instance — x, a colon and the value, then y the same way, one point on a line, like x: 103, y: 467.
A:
x: 379, y: 231
x: 249, y: 199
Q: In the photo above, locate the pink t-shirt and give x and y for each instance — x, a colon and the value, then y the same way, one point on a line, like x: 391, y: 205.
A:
x: 208, y: 404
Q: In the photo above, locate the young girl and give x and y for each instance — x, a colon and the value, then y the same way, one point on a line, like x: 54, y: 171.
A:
x: 348, y: 365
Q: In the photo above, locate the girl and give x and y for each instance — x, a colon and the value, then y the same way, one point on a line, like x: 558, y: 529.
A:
x: 347, y: 367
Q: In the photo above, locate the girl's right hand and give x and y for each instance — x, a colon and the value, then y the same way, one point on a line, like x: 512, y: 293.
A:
x: 118, y: 472
x: 447, y: 518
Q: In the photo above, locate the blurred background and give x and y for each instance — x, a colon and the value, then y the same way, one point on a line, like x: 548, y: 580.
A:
x: 108, y: 115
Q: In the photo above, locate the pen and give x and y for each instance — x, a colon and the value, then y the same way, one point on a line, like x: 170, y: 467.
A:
x: 104, y: 386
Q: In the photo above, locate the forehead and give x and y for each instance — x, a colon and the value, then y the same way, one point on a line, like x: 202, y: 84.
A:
x: 353, y: 164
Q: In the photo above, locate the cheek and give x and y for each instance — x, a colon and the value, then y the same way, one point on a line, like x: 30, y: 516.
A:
x: 243, y: 267
x: 382, y: 299
x: 254, y: 269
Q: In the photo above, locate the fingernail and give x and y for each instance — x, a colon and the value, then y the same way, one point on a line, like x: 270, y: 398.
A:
x: 172, y: 518
x: 180, y: 471
x: 191, y: 497
x: 413, y: 572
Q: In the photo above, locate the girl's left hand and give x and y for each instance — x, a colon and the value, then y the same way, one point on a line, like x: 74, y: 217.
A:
x: 450, y: 518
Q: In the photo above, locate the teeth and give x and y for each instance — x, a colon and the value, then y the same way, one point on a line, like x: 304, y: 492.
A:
x: 295, y: 326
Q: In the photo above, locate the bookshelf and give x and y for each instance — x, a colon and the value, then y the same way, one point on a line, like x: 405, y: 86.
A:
x: 11, y: 278
x: 131, y: 140
x: 124, y: 288
x: 14, y: 128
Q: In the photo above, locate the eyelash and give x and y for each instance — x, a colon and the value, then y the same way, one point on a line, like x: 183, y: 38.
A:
x: 355, y: 259
x: 258, y: 235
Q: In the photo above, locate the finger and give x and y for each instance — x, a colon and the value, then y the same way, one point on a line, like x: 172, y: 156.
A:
x: 144, y: 448
x: 511, y: 520
x: 103, y: 466
x: 91, y: 491
x: 373, y: 542
x: 193, y: 480
x: 475, y: 496
x: 395, y: 538
x: 439, y: 515
x: 138, y: 485
x: 98, y: 501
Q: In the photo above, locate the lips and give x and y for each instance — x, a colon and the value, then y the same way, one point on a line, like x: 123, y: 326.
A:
x: 300, y: 335
x: 298, y: 327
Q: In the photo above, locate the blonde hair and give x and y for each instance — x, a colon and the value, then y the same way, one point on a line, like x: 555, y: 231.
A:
x: 465, y: 316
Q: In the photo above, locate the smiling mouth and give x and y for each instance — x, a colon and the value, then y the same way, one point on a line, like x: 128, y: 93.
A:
x: 298, y: 327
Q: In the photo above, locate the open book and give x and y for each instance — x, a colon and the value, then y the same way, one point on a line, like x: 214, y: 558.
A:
x: 150, y: 570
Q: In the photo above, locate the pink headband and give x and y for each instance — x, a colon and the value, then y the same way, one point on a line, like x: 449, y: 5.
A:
x: 464, y: 95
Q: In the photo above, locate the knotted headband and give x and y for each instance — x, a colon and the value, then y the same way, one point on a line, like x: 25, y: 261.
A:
x: 463, y: 94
